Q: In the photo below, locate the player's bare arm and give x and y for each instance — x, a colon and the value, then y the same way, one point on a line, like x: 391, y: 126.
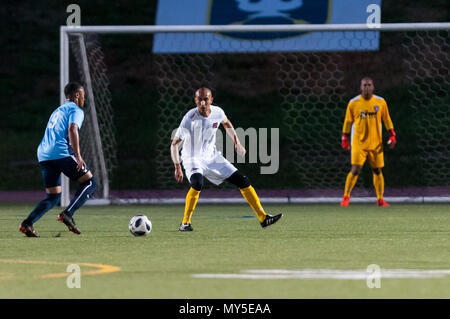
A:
x: 175, y: 154
x: 74, y: 139
x: 232, y: 133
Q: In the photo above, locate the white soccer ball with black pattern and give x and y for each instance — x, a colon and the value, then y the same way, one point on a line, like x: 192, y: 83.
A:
x: 140, y: 225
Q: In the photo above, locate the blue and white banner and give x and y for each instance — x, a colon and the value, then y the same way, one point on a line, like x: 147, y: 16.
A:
x: 257, y: 12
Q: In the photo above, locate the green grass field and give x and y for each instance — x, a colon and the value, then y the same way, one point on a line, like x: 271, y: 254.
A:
x: 226, y: 241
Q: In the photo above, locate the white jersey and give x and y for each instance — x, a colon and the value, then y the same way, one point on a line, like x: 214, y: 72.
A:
x: 199, y: 134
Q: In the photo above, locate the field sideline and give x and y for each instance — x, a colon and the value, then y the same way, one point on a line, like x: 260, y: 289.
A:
x: 227, y: 246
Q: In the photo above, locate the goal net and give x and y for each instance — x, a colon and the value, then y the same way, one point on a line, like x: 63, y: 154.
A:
x: 287, y: 101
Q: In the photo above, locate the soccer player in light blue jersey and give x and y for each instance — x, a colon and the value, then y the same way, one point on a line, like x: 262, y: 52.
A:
x: 59, y: 152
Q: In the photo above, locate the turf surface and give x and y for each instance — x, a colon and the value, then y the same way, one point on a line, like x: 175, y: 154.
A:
x: 226, y: 240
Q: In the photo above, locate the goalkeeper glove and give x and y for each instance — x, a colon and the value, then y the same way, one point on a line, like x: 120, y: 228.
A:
x: 345, y: 143
x: 392, y: 139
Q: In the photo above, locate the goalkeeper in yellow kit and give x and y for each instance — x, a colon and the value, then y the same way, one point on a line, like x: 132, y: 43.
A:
x: 363, y: 121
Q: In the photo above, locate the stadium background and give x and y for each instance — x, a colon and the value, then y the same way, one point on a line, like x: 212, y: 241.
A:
x: 30, y: 91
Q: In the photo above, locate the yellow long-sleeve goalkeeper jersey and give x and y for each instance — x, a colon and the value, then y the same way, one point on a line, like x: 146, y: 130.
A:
x: 365, y: 117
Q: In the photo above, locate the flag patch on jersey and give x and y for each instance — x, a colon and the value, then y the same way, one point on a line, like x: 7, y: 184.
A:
x: 215, y: 125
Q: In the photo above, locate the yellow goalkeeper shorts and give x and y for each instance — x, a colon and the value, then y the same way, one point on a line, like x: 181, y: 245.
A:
x: 375, y: 157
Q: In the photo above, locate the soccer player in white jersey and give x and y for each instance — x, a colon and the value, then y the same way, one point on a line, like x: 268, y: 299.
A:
x: 200, y: 158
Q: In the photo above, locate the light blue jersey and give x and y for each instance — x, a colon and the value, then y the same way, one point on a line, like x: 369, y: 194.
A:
x: 55, y: 143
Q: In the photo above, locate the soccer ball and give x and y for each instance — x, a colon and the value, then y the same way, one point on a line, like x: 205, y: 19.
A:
x: 140, y: 225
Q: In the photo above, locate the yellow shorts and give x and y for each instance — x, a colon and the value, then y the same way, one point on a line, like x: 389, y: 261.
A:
x: 375, y: 157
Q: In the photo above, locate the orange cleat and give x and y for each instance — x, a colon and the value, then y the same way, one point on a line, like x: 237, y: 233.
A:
x: 345, y: 201
x: 28, y: 230
x: 381, y: 202
x: 67, y: 220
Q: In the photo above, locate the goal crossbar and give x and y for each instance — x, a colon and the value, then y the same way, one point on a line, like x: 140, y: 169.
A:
x: 423, y: 26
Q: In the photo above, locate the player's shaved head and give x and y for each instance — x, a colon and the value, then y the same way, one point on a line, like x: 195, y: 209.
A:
x: 203, y: 92
x: 366, y: 78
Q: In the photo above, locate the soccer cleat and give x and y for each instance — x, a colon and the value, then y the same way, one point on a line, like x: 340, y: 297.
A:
x: 185, y: 227
x: 381, y: 202
x: 69, y: 222
x: 270, y: 220
x: 345, y: 201
x: 28, y: 230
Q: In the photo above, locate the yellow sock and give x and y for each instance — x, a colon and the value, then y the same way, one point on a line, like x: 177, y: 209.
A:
x: 191, y: 201
x: 253, y: 200
x: 350, y: 183
x: 378, y: 183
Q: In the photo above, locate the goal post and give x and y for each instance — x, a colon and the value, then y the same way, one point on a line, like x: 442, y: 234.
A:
x: 99, y: 160
x: 310, y: 85
x: 64, y: 79
x: 92, y: 134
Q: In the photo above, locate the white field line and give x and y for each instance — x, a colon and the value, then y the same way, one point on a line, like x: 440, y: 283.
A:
x: 360, y: 274
x: 271, y: 200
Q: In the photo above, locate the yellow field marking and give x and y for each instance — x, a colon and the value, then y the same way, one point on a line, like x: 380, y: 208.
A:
x: 6, y: 276
x: 101, y: 269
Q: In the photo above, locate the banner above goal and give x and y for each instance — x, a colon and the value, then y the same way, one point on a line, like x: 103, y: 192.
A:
x: 264, y: 12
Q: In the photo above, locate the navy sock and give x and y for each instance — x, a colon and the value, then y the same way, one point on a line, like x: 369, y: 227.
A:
x: 42, y: 207
x: 83, y: 193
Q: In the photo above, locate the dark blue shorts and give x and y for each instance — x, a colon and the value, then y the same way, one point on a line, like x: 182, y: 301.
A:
x: 51, y: 171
